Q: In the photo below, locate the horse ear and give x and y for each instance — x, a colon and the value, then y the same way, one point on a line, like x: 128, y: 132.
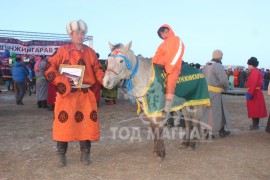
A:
x: 128, y: 46
x: 111, y: 46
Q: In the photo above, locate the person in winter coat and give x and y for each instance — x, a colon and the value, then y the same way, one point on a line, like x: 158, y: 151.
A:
x: 242, y: 78
x: 41, y: 82
x: 267, y: 78
x: 267, y: 129
x: 6, y: 70
x: 76, y: 111
x: 29, y: 81
x: 255, y: 100
x: 236, y: 77
x: 169, y: 55
x: 19, y: 74
x: 217, y: 115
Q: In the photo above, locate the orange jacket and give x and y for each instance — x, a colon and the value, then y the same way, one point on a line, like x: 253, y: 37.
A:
x: 236, y: 75
x: 170, y: 52
x: 76, y: 112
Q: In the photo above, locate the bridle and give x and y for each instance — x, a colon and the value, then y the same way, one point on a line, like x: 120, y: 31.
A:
x: 112, y: 71
x: 116, y: 54
x: 128, y: 82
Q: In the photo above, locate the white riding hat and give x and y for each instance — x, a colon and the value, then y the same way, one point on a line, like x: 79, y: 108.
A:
x: 76, y: 25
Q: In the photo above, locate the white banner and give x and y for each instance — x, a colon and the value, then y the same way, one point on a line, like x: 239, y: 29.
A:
x: 30, y: 47
x: 35, y: 50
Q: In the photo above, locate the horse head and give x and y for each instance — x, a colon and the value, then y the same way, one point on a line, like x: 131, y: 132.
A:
x: 120, y: 62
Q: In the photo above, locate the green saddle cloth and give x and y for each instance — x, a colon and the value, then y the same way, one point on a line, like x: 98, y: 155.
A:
x: 191, y: 90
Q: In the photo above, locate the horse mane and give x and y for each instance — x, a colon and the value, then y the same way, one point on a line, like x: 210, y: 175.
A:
x: 120, y: 46
x: 117, y: 46
x: 130, y: 53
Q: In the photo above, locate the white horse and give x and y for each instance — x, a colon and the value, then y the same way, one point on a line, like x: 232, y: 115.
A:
x: 124, y: 65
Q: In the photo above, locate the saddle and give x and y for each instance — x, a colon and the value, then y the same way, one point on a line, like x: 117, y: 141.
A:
x: 191, y: 90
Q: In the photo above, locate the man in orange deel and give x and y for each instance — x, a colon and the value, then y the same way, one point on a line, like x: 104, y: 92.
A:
x: 75, y: 113
x: 169, y: 54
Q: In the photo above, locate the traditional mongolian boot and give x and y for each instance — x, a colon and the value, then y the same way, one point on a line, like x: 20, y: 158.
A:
x: 85, y: 151
x: 61, y: 153
x: 223, y: 133
x: 39, y: 104
x: 255, y: 124
x: 44, y: 104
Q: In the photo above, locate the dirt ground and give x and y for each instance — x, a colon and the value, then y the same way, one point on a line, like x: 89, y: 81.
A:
x: 27, y: 150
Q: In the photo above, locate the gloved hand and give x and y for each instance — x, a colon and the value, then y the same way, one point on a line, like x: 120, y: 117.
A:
x: 168, y: 105
x: 249, y: 96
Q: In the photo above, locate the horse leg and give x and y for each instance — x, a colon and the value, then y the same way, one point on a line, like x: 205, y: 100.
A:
x: 185, y: 142
x: 196, y: 113
x: 154, y: 127
x: 159, y: 147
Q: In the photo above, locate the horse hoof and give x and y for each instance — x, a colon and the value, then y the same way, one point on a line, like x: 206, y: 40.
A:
x: 192, y: 145
x: 159, y: 155
x: 184, y: 145
x: 162, y: 154
x: 159, y: 159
